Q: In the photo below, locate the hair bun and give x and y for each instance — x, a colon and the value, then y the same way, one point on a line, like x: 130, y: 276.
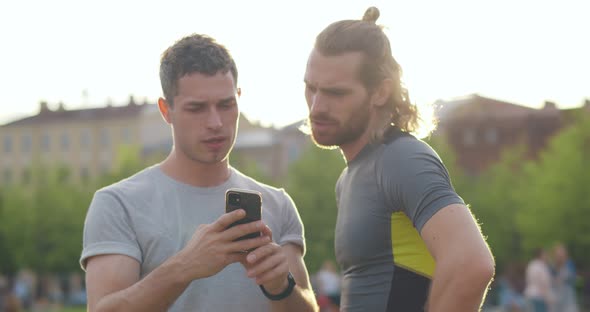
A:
x: 371, y: 15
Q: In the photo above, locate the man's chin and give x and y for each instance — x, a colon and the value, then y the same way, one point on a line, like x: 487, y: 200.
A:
x: 324, y: 143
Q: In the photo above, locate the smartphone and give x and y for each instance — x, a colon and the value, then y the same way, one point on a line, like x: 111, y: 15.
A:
x: 250, y: 201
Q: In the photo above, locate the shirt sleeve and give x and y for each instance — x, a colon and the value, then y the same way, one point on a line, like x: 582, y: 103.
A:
x: 108, y: 229
x: 414, y: 179
x: 292, y: 229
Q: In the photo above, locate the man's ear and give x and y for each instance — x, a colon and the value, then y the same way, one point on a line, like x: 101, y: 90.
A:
x: 382, y: 93
x: 239, y: 92
x: 164, y: 109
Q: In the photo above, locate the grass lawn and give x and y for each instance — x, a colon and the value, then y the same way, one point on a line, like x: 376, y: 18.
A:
x: 70, y: 309
x: 76, y: 309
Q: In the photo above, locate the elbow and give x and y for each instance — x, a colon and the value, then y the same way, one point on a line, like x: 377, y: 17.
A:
x: 481, y: 270
x: 469, y: 273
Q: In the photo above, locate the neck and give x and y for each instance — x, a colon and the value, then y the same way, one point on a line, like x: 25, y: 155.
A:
x: 198, y: 174
x: 350, y: 150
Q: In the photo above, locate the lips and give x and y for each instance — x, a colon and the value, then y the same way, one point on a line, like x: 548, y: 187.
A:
x: 215, y: 142
x: 322, y: 124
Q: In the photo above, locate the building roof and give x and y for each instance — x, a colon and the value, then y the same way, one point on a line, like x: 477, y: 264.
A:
x: 474, y: 105
x: 47, y: 116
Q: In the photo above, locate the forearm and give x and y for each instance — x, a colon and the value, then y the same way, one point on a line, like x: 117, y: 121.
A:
x: 301, y: 299
x: 458, y: 288
x: 156, y: 292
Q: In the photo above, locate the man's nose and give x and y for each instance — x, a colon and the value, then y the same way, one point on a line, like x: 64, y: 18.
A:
x: 214, y: 120
x: 318, y: 103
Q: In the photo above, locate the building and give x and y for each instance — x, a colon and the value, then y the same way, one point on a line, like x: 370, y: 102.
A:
x: 479, y: 129
x: 270, y: 150
x: 86, y: 141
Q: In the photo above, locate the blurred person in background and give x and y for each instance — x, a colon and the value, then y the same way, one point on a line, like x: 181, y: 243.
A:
x: 539, y: 283
x: 565, y: 281
x: 329, y: 285
x: 511, y: 284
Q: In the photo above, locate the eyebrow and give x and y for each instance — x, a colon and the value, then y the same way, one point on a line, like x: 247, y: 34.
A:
x: 227, y: 100
x: 329, y: 88
x: 222, y: 101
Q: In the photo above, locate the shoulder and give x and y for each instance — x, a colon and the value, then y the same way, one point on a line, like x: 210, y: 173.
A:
x: 139, y: 185
x: 407, y: 147
x: 406, y: 155
x: 269, y: 192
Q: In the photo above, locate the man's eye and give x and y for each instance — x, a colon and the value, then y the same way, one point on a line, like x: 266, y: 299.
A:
x: 229, y: 104
x: 335, y: 92
x: 195, y: 108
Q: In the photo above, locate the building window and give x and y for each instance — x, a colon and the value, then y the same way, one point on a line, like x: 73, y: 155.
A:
x: 293, y: 153
x: 7, y: 144
x: 26, y: 143
x: 469, y: 137
x: 65, y: 141
x: 105, y: 139
x: 104, y: 169
x: 126, y: 135
x: 45, y: 142
x: 491, y: 135
x: 85, y: 138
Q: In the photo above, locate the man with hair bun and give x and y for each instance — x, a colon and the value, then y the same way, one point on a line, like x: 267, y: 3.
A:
x: 405, y: 241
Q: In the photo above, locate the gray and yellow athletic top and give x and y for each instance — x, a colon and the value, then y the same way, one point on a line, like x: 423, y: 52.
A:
x: 385, y: 196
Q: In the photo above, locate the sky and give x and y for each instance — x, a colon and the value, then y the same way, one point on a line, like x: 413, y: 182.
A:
x: 89, y: 53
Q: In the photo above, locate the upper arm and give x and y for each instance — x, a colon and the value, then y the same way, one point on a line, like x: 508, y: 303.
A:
x: 452, y: 233
x: 297, y: 265
x: 414, y: 180
x: 107, y: 274
x: 291, y: 228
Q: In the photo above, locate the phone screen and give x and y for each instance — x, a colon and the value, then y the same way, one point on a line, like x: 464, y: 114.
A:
x: 250, y: 201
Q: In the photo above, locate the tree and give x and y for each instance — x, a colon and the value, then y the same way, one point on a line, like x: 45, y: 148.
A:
x: 556, y: 205
x: 311, y: 183
x: 494, y: 202
x: 42, y: 223
x: 491, y: 196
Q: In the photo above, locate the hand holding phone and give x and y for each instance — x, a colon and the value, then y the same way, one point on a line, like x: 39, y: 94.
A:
x: 250, y: 201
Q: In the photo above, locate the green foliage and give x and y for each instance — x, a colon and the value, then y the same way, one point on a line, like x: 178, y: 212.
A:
x: 522, y: 204
x: 311, y: 184
x: 556, y: 203
x: 251, y: 169
x: 493, y: 201
x: 41, y: 223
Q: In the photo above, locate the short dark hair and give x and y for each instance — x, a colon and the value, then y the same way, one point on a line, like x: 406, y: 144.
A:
x: 193, y: 54
x: 366, y: 37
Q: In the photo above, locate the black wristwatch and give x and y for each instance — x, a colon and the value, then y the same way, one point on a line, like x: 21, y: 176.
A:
x: 285, y: 293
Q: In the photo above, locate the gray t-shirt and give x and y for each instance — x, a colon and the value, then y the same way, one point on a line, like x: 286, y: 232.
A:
x: 385, y: 196
x: 151, y: 217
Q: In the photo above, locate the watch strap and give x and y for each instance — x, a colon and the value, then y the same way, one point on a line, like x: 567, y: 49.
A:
x: 285, y: 293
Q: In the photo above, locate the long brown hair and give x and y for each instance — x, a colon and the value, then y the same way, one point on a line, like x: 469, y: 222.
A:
x: 378, y: 64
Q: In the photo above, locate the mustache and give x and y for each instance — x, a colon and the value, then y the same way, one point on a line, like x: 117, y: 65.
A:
x: 322, y: 117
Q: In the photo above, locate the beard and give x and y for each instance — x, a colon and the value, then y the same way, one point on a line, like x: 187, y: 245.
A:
x: 343, y: 132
